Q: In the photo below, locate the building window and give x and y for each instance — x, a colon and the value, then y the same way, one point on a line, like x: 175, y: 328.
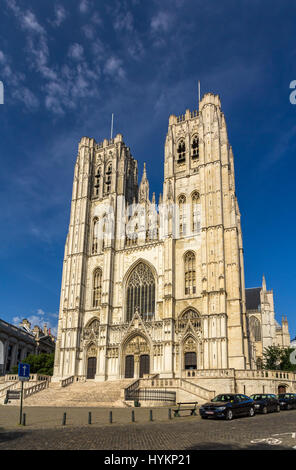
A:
x: 108, y: 179
x: 97, y: 288
x: 181, y: 151
x: 190, y: 275
x: 94, y: 248
x: 259, y: 363
x: 97, y: 182
x: 255, y: 328
x: 182, y: 215
x: 195, y: 147
x: 140, y: 293
x: 195, y: 212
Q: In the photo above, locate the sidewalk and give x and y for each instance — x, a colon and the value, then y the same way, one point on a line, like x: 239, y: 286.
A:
x: 50, y: 417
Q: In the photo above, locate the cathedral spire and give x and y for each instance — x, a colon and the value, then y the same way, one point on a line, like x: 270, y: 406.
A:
x: 263, y: 283
x: 144, y: 187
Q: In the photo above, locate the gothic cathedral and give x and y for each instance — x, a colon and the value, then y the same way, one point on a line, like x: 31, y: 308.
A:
x: 158, y: 287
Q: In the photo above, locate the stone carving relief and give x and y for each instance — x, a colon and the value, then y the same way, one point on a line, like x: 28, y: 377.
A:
x: 138, y: 345
x: 189, y: 345
x: 190, y: 318
x: 91, y: 332
x: 91, y: 351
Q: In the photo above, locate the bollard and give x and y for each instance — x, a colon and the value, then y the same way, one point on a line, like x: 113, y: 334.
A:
x: 89, y: 417
x: 170, y: 413
x: 110, y: 417
x: 24, y: 419
x: 133, y: 416
x: 64, y: 419
x: 151, y: 416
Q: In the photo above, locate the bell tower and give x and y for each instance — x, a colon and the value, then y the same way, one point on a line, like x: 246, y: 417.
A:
x: 199, y: 166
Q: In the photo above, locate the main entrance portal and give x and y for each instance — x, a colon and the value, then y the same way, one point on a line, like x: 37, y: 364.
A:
x: 136, y: 357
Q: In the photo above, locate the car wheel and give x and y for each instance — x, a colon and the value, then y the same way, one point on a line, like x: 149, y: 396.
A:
x: 264, y: 410
x: 251, y: 412
x: 229, y: 415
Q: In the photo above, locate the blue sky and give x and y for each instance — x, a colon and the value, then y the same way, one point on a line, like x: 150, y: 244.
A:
x: 68, y: 65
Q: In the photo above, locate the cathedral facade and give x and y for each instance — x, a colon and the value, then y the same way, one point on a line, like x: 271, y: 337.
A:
x: 157, y: 287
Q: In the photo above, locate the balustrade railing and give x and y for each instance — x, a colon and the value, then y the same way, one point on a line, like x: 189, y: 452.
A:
x: 131, y: 389
x: 67, y: 381
x: 150, y: 394
x: 32, y: 377
x: 35, y: 388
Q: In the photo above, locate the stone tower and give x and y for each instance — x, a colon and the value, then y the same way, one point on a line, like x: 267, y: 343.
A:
x: 160, y: 300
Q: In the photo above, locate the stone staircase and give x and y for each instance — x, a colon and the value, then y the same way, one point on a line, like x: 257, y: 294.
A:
x: 81, y: 394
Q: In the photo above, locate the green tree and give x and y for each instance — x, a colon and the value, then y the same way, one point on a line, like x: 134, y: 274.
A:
x: 39, y: 364
x: 277, y: 358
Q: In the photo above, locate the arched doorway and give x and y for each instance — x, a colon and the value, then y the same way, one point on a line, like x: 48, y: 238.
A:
x: 282, y: 389
x: 190, y: 353
x: 91, y: 362
x: 91, y: 367
x: 190, y: 361
x: 136, y: 357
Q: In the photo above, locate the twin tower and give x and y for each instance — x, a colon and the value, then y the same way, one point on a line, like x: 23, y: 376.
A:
x: 155, y: 287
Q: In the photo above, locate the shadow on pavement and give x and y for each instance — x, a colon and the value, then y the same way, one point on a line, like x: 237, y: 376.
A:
x: 236, y: 446
x: 6, y: 436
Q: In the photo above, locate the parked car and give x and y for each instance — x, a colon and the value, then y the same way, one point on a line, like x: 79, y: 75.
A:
x: 287, y: 400
x: 265, y: 402
x: 228, y: 406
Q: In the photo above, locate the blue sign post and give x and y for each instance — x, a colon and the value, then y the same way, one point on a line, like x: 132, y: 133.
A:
x: 24, y: 371
x: 23, y: 375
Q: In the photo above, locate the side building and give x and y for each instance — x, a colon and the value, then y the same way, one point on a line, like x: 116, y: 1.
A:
x: 17, y: 342
x: 263, y: 329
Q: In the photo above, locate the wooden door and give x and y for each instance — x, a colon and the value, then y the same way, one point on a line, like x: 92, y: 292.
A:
x: 91, y: 367
x: 144, y: 364
x: 129, y: 367
x: 190, y: 360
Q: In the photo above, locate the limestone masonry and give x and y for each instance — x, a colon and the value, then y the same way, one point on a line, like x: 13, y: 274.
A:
x: 158, y: 288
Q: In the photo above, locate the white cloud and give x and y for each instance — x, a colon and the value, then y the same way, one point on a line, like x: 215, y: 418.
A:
x: 113, y: 67
x: 161, y: 22
x: 76, y: 51
x: 60, y: 16
x: 84, y: 6
x: 89, y: 31
x: 29, y: 22
x: 124, y: 21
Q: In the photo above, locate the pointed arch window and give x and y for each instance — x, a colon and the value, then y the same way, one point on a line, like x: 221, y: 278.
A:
x: 182, y: 215
x: 97, y: 287
x: 195, y: 212
x: 195, y: 147
x: 189, y: 315
x: 140, y: 293
x: 108, y: 178
x: 97, y: 182
x: 255, y: 328
x: 94, y: 248
x: 190, y: 273
x: 181, y: 151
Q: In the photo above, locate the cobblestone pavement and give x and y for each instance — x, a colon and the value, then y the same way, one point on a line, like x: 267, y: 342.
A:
x: 275, y: 431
